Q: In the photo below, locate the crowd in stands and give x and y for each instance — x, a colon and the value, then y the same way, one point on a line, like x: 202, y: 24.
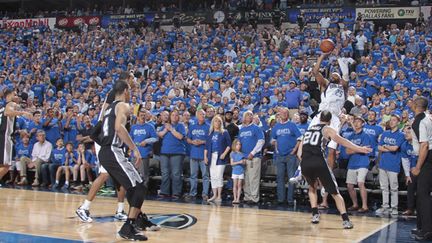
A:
x: 198, y: 91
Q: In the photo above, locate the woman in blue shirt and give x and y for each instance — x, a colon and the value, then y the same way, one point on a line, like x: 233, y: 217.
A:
x: 173, y: 150
x: 216, y: 150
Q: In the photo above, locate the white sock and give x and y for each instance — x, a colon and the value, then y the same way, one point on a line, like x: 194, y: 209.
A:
x: 67, y: 182
x: 86, y: 205
x: 57, y: 182
x: 120, y: 207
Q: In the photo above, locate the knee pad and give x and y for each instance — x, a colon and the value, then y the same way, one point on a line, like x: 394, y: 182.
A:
x: 135, y: 195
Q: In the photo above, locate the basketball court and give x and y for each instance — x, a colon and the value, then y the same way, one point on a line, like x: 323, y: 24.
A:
x: 37, y: 216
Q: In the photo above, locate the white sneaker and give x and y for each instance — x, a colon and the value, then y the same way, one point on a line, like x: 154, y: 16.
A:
x: 394, y: 211
x: 346, y: 224
x: 122, y: 216
x: 315, y: 219
x: 323, y: 191
x: 84, y: 215
x: 297, y: 178
x: 382, y: 210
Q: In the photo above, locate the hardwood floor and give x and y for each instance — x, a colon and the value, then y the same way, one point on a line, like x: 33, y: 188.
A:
x: 53, y: 214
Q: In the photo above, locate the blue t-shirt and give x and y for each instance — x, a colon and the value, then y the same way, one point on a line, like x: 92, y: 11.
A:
x: 23, y: 151
x: 215, y: 138
x: 52, y: 130
x: 71, y: 161
x: 249, y: 137
x: 70, y: 133
x: 236, y: 157
x: 346, y: 132
x: 303, y: 127
x: 141, y: 132
x: 90, y: 157
x: 374, y: 131
x: 391, y: 160
x: 172, y: 145
x: 58, y: 156
x: 286, y: 135
x: 30, y: 126
x: 198, y: 132
x: 358, y: 160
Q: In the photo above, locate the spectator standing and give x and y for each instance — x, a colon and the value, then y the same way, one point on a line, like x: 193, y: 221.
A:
x: 285, y: 135
x: 324, y: 22
x: 216, y: 153
x: 358, y: 165
x: 252, y: 139
x: 409, y: 160
x: 144, y: 135
x: 293, y: 98
x: 172, y: 152
x: 361, y: 41
x: 197, y: 138
x: 389, y: 166
x: 238, y: 160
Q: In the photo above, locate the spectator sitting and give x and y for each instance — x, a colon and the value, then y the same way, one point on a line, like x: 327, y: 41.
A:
x: 68, y: 163
x: 40, y: 154
x: 23, y: 155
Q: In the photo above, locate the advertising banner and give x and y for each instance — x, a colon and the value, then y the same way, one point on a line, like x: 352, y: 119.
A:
x: 70, y: 22
x: 25, y: 23
x: 111, y: 19
x: 313, y: 15
x: 389, y: 13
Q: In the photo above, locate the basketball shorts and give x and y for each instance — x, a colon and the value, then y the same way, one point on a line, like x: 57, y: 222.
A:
x: 121, y: 170
x: 6, y: 150
x: 315, y: 167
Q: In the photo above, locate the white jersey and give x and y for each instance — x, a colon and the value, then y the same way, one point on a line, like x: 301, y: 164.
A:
x: 333, y: 99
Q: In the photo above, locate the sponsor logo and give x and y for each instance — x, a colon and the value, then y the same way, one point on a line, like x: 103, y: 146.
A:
x: 173, y: 221
x: 390, y: 141
x: 78, y: 21
x: 94, y: 21
x: 63, y: 22
x: 198, y: 132
x: 246, y: 134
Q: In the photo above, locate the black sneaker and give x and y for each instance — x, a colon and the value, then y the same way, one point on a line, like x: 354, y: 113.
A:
x: 129, y: 232
x: 143, y: 223
x: 423, y: 236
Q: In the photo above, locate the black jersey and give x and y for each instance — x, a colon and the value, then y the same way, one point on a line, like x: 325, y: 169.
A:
x: 108, y: 135
x: 314, y: 141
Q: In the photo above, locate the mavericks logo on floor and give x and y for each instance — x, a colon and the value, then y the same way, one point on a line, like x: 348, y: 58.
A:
x: 173, y: 221
x: 170, y: 221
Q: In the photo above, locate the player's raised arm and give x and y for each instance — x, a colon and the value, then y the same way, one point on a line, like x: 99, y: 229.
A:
x: 322, y: 82
x: 331, y: 133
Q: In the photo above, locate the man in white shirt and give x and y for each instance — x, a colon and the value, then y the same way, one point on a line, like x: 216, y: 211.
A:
x: 325, y: 23
x: 230, y: 52
x: 41, y: 154
x: 361, y: 43
x: 345, y: 33
x: 344, y: 63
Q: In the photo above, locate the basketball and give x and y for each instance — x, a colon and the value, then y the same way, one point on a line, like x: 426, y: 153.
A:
x: 327, y: 45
